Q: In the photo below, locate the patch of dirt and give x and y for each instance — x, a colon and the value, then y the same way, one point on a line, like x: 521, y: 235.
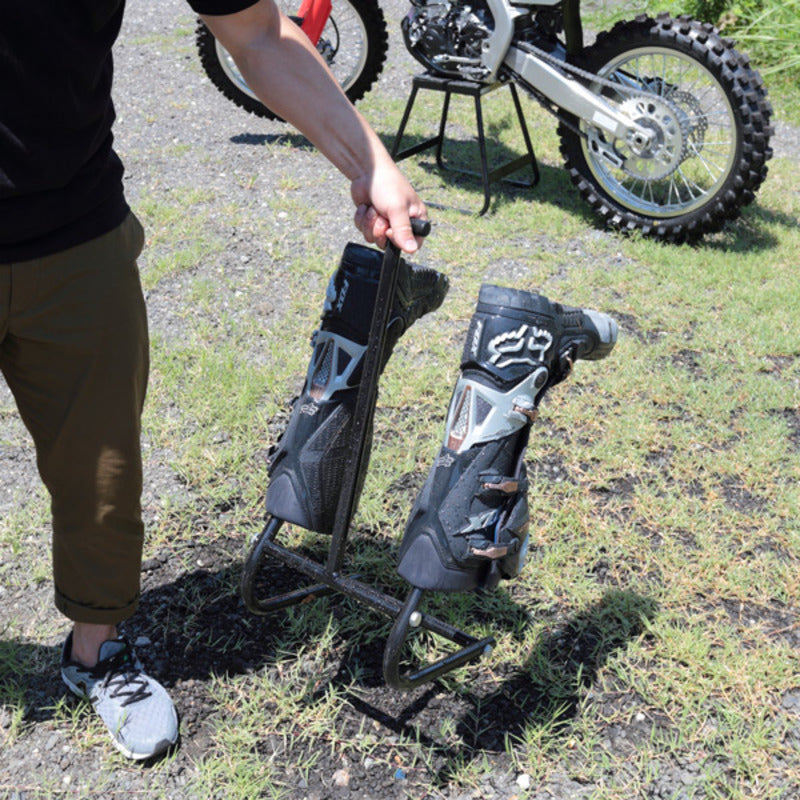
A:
x: 792, y: 417
x: 740, y: 498
x: 689, y: 360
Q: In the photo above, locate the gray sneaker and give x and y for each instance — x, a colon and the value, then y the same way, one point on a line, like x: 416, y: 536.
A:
x: 136, y: 709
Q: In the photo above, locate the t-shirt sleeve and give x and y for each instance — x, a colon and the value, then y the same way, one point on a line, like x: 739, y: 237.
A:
x: 219, y: 7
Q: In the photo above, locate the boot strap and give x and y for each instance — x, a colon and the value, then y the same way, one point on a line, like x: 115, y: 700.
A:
x: 508, y: 485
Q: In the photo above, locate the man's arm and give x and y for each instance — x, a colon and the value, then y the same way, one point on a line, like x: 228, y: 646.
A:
x: 285, y: 71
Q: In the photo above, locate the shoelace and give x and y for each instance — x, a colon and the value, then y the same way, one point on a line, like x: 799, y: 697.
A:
x: 122, y: 677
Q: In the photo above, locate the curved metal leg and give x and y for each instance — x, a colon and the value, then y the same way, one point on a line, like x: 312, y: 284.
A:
x: 262, y: 545
x: 408, y: 618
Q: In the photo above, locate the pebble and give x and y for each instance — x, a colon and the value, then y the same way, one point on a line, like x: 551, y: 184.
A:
x: 524, y: 780
x: 341, y: 777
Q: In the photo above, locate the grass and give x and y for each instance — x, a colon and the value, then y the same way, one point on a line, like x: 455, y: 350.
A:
x: 655, y: 628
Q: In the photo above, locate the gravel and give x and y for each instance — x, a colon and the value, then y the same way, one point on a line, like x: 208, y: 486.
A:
x: 165, y: 104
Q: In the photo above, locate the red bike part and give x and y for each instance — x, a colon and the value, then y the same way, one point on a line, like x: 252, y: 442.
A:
x: 314, y: 14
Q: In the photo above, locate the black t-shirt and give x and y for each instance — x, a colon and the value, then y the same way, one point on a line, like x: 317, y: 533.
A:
x: 60, y: 179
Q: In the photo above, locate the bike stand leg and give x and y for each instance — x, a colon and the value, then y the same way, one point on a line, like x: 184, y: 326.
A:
x: 449, y: 87
x: 487, y: 192
x: 434, y: 141
x: 442, y: 128
x: 396, y: 154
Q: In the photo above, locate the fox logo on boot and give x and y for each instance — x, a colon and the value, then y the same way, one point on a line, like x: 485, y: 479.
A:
x: 525, y: 345
x: 335, y: 297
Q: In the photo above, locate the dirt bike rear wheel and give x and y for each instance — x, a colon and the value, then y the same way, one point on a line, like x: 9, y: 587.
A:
x: 353, y: 43
x: 711, y: 117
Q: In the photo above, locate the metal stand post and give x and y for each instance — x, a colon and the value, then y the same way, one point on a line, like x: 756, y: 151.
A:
x: 476, y: 91
x: 328, y: 578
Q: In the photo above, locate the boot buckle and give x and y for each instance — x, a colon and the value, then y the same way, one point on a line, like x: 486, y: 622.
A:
x: 507, y: 486
x: 525, y: 407
x: 492, y: 552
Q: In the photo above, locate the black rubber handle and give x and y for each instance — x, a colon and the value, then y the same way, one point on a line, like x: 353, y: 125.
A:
x: 420, y: 227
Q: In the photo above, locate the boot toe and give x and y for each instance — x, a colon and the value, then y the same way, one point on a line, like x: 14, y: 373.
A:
x: 422, y: 566
x: 284, y: 503
x: 607, y: 332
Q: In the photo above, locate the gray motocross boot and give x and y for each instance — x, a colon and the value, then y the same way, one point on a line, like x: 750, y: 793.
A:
x: 308, y: 463
x: 469, y: 526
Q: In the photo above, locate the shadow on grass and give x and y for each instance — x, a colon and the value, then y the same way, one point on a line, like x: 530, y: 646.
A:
x: 752, y: 230
x: 190, y: 626
x: 546, y: 690
x: 199, y: 628
x: 294, y: 140
x: 543, y: 693
x: 29, y: 679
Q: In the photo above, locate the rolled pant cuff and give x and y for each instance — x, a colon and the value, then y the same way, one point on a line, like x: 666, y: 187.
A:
x: 78, y: 612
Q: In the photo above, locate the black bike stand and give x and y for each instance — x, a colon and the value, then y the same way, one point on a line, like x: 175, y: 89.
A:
x: 328, y: 577
x: 477, y: 91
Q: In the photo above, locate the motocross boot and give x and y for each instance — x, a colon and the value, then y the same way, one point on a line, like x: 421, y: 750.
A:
x: 469, y: 525
x: 307, y: 465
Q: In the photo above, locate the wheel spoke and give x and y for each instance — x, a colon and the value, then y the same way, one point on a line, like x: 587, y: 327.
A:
x: 673, y: 187
x: 708, y: 164
x: 689, y: 185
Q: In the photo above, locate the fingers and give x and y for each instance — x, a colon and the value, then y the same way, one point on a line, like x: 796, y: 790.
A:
x: 400, y: 230
x: 401, y: 234
x: 372, y: 226
x: 360, y: 221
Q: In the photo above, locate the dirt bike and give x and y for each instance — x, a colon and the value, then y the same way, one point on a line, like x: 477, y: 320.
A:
x: 664, y: 126
x: 350, y: 35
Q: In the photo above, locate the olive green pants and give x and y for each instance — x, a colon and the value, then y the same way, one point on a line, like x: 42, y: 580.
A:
x: 74, y: 352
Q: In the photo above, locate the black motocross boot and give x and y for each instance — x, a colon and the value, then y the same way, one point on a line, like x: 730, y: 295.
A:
x: 307, y: 465
x: 469, y: 526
